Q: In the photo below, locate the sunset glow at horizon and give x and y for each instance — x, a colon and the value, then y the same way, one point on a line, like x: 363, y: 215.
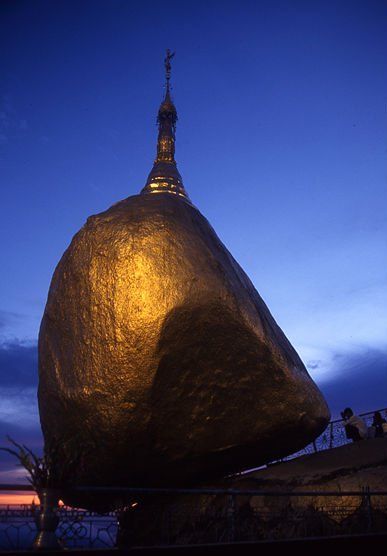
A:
x: 8, y: 498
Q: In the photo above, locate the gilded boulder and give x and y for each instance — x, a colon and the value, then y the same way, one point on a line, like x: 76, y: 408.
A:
x: 158, y: 359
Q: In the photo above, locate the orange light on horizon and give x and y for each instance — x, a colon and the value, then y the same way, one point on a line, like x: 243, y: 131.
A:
x: 28, y: 498
x: 20, y: 498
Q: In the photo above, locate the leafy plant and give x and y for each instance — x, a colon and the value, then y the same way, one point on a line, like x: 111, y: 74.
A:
x: 52, y: 470
x: 39, y: 468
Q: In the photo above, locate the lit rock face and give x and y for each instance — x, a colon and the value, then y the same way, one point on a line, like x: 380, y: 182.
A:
x: 158, y: 359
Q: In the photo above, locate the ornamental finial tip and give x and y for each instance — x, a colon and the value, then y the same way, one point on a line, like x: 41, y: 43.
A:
x: 167, y: 64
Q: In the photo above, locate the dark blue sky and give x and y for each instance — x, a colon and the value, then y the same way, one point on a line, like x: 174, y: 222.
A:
x: 281, y: 142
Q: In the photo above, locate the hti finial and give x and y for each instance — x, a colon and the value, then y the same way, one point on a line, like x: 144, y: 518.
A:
x: 167, y: 64
x: 164, y: 176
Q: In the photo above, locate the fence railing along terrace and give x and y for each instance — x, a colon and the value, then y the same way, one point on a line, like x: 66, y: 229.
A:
x: 334, y: 435
x: 161, y: 517
x: 170, y: 517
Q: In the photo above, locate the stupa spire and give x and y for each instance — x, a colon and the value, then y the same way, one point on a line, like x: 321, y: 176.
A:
x: 167, y: 64
x: 164, y: 176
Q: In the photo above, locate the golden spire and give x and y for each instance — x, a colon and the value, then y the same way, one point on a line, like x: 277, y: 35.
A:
x: 164, y: 176
x: 167, y: 64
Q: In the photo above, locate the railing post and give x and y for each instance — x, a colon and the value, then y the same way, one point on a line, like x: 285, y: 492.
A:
x: 367, y: 507
x: 231, y: 517
x: 330, y: 435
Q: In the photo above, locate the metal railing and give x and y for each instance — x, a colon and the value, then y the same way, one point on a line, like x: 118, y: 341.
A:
x: 77, y: 528
x: 185, y: 517
x: 334, y: 435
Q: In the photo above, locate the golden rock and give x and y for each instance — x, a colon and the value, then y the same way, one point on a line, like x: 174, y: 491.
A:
x: 159, y: 362
x: 160, y: 357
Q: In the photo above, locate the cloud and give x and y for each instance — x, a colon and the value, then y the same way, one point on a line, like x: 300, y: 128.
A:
x: 10, y: 470
x: 19, y: 420
x: 313, y: 365
x: 19, y: 406
x: 337, y: 300
x: 7, y: 318
x: 358, y: 379
x: 18, y: 395
x: 18, y: 388
x: 31, y: 437
x: 18, y: 365
x: 18, y: 329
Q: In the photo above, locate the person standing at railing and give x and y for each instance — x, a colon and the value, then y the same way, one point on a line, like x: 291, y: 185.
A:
x: 379, y: 425
x: 355, y: 428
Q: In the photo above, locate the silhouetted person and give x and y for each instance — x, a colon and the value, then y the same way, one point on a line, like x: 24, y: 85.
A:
x: 377, y: 423
x: 355, y: 427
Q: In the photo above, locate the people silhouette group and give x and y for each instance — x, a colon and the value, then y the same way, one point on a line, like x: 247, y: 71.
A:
x: 379, y: 424
x: 356, y: 428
